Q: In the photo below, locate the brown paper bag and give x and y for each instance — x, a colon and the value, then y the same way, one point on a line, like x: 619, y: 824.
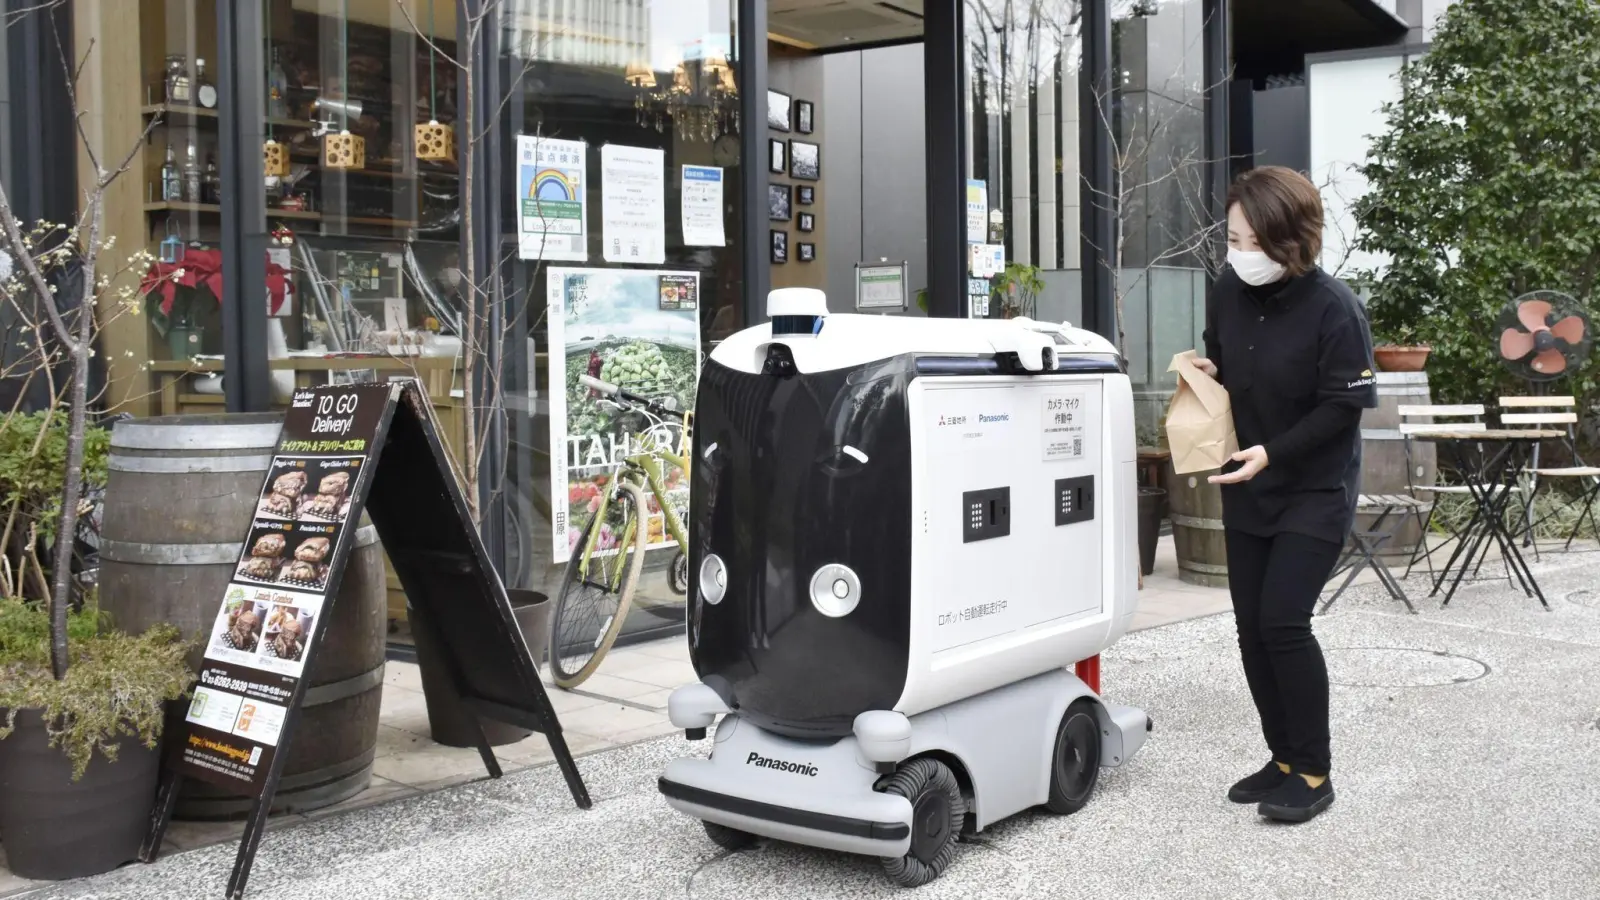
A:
x: 1199, y: 419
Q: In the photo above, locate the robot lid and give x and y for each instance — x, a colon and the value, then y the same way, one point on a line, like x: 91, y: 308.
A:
x: 800, y: 317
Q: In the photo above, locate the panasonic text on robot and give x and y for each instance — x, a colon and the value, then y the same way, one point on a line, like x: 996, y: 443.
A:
x: 1003, y: 417
x: 779, y: 765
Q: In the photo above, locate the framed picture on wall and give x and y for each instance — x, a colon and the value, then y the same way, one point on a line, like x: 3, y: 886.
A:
x: 780, y: 246
x: 779, y: 207
x: 805, y: 194
x: 777, y: 151
x: 805, y: 161
x: 808, y: 252
x: 808, y: 222
x: 778, y: 111
x: 803, y: 113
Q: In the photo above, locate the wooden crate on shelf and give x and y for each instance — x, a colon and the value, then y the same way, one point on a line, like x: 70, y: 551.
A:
x: 436, y: 141
x: 275, y: 159
x: 344, y: 151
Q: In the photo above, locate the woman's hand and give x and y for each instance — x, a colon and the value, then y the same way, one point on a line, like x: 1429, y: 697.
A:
x: 1254, y: 460
x: 1205, y: 365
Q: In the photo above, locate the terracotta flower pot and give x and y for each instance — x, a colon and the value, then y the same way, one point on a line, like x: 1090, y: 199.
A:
x: 1391, y: 358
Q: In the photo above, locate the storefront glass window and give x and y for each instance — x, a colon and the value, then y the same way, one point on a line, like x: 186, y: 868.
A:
x: 620, y: 210
x: 362, y: 196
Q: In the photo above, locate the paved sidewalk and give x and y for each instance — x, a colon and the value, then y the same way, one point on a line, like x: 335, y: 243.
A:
x: 1466, y: 752
x: 625, y: 702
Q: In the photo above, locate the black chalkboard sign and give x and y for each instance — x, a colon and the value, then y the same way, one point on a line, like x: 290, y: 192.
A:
x: 345, y: 450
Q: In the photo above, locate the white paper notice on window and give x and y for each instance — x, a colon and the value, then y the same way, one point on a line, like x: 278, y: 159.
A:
x: 633, y: 204
x: 1064, y: 426
x: 552, y: 199
x: 702, y: 207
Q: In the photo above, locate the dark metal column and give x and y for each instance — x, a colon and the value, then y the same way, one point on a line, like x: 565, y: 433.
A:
x: 1098, y: 217
x: 1216, y: 67
x: 489, y: 329
x: 943, y: 75
x: 241, y: 79
x: 41, y: 132
x: 754, y: 241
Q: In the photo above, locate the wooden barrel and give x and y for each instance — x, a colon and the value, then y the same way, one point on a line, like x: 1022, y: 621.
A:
x: 178, y: 506
x: 1196, y: 512
x: 1383, y: 454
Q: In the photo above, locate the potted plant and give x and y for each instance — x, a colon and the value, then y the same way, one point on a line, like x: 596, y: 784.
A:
x: 1401, y: 353
x: 1018, y: 289
x: 78, y: 757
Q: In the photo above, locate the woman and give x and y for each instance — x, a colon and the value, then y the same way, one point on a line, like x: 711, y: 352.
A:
x: 1292, y: 346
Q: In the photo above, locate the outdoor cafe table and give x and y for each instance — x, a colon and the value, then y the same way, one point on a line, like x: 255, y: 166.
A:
x: 1489, y: 462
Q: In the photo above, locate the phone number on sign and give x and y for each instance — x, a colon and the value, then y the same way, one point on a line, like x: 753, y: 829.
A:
x: 356, y: 445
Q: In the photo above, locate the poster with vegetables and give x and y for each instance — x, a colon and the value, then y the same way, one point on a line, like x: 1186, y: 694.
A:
x: 636, y: 328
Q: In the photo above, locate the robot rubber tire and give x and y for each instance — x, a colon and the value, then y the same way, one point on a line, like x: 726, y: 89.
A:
x: 1075, y: 764
x: 730, y: 839
x: 938, y: 813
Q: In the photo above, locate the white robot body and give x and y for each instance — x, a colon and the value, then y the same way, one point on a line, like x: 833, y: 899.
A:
x: 903, y: 534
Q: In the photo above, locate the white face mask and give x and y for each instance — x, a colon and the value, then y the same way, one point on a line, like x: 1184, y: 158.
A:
x: 1254, y: 267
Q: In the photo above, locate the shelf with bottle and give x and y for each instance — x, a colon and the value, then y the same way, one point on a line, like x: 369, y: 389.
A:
x: 194, y: 115
x: 181, y: 206
x: 214, y: 209
x: 188, y: 181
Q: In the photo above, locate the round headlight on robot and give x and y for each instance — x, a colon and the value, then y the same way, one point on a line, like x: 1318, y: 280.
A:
x: 835, y: 590
x: 713, y: 579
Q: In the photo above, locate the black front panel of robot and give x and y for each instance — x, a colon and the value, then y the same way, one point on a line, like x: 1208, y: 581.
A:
x: 800, y: 522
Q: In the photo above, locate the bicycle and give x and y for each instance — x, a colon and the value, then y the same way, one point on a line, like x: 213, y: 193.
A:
x: 601, y: 575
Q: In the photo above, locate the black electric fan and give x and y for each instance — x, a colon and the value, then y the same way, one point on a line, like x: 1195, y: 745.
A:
x: 1544, y: 335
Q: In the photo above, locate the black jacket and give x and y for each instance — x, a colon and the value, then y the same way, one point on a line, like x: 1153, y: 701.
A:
x: 1296, y: 358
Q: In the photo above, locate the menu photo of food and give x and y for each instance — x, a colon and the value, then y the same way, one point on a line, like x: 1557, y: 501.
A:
x: 240, y: 623
x: 296, y: 555
x: 318, y: 489
x: 287, y: 628
x: 286, y: 487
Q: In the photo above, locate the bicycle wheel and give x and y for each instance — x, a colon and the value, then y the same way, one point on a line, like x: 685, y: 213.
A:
x: 595, y: 597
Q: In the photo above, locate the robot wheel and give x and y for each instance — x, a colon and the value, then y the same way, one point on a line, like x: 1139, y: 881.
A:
x: 1075, y: 762
x: 730, y: 839
x: 939, y: 811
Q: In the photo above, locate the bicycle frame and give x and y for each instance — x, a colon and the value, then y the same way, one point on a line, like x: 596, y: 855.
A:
x: 642, y: 470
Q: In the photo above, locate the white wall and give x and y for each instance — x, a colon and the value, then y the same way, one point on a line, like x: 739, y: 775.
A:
x: 1347, y: 99
x: 1431, y: 11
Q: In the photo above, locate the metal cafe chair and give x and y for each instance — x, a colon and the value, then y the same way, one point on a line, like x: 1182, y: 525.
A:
x: 1366, y: 543
x: 1424, y: 418
x: 1553, y: 413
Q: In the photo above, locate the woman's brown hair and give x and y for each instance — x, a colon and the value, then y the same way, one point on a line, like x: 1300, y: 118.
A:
x: 1285, y: 210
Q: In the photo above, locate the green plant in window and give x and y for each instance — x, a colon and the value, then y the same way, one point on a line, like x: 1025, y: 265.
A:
x: 1017, y: 289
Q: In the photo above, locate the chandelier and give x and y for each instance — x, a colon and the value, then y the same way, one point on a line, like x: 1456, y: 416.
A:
x: 701, y: 102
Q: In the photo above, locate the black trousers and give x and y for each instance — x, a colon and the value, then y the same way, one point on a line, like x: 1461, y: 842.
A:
x: 1275, y: 582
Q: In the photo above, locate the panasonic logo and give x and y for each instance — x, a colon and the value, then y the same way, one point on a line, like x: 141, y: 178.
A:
x: 779, y: 765
x: 1003, y: 417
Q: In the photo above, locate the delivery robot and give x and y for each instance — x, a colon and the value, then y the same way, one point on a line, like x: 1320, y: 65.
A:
x: 904, y: 533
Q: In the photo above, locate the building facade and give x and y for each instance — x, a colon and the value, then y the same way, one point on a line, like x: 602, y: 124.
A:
x: 357, y: 189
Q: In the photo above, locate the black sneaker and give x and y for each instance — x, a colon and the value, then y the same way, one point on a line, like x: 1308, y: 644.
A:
x: 1259, y: 786
x: 1296, y: 801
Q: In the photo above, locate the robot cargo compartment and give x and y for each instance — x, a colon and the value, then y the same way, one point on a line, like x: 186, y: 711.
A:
x: 1021, y: 504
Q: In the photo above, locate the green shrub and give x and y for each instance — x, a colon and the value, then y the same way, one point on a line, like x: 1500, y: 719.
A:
x: 117, y: 685
x: 32, y: 465
x: 1485, y: 185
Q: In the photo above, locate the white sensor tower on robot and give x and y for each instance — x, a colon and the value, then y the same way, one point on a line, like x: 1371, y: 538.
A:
x: 904, y: 532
